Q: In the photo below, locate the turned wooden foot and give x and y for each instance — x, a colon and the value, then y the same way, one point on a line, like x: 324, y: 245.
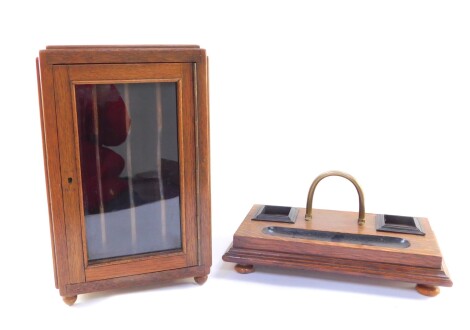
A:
x: 200, y: 279
x: 428, y: 290
x: 244, y: 269
x: 70, y: 300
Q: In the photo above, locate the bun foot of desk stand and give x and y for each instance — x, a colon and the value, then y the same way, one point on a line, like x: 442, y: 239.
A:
x: 70, y: 300
x: 244, y: 269
x: 428, y: 290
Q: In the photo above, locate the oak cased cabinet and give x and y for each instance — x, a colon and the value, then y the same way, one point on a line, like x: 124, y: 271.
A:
x: 126, y: 154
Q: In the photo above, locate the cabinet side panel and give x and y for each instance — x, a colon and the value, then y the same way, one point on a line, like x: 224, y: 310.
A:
x: 204, y: 192
x: 46, y: 172
x: 188, y: 155
x: 49, y: 131
x: 68, y: 171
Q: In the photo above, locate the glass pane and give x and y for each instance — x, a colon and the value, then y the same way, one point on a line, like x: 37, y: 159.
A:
x: 129, y: 165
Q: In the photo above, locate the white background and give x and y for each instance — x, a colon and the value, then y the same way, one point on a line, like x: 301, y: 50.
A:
x: 379, y: 89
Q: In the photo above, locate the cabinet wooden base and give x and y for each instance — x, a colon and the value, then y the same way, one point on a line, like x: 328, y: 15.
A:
x: 199, y: 273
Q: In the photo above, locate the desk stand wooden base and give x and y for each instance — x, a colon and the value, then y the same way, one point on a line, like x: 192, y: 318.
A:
x: 428, y: 279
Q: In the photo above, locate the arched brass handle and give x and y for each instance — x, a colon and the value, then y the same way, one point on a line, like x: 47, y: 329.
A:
x: 362, y: 212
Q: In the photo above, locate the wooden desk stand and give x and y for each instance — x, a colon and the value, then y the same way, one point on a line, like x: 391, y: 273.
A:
x: 420, y: 263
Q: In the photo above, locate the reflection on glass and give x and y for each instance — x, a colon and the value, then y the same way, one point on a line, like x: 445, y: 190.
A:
x: 129, y: 165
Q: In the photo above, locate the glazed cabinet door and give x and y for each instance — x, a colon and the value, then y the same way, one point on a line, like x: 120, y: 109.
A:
x: 127, y: 146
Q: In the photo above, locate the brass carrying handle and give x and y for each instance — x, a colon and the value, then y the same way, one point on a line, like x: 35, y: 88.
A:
x: 362, y: 212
